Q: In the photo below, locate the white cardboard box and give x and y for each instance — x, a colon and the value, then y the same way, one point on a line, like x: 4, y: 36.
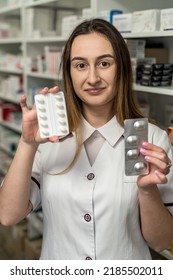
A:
x: 146, y: 21
x: 123, y: 22
x: 166, y: 19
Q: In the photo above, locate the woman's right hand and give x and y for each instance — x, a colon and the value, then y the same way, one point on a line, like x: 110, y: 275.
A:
x: 30, y: 128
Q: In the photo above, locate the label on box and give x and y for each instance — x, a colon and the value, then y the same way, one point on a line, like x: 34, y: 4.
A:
x: 123, y: 22
x: 146, y: 21
x: 166, y: 19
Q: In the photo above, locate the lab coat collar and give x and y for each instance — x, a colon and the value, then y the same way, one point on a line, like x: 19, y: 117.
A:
x: 111, y: 131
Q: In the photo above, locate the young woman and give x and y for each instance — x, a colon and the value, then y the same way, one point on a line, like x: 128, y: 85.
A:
x: 91, y: 209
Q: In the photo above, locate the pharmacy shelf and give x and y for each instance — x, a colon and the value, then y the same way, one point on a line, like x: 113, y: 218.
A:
x: 39, y: 3
x: 8, y: 99
x: 157, y: 90
x: 11, y: 41
x: 14, y: 127
x: 156, y: 34
x: 65, y: 4
x: 46, y: 39
x: 6, y: 151
x: 11, y: 71
x: 41, y: 75
x: 12, y: 9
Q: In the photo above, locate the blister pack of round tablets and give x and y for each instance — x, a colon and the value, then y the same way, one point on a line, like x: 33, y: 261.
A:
x: 136, y: 132
x: 52, y: 114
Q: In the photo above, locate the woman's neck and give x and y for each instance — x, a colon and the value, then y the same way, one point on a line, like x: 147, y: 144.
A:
x: 97, y: 117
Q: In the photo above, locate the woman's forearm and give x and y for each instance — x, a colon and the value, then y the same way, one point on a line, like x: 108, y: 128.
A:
x: 15, y: 191
x: 156, y: 221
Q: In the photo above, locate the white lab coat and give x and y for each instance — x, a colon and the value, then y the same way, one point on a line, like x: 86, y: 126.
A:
x: 92, y: 212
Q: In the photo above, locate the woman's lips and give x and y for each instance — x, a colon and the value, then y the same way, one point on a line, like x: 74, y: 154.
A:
x: 94, y: 90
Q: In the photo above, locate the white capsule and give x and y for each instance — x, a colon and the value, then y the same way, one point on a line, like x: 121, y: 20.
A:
x: 40, y: 99
x: 61, y: 114
x: 45, y: 132
x: 132, y: 154
x: 63, y: 129
x: 140, y: 166
x: 139, y: 125
x: 43, y: 124
x: 41, y: 108
x: 60, y: 105
x: 43, y: 116
x: 133, y: 140
x: 59, y: 98
x: 62, y: 122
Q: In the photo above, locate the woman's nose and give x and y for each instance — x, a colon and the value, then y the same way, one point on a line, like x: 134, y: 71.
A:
x: 93, y: 76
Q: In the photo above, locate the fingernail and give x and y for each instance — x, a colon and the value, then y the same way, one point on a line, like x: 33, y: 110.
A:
x: 157, y: 172
x: 45, y: 88
x: 143, y: 151
x: 145, y: 144
x: 147, y: 157
x: 56, y: 87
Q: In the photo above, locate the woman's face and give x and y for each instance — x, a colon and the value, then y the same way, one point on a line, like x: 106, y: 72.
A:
x: 93, y: 71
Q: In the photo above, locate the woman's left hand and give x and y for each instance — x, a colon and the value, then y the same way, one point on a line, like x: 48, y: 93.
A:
x: 159, y: 166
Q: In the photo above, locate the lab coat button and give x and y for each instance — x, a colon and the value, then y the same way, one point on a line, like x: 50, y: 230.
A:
x: 90, y: 176
x: 87, y: 217
x: 88, y: 258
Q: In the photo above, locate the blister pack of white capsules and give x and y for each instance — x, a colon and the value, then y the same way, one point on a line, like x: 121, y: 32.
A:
x: 136, y: 132
x: 52, y: 114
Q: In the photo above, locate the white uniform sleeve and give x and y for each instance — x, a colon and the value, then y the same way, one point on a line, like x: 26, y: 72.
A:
x: 35, y: 182
x: 166, y: 190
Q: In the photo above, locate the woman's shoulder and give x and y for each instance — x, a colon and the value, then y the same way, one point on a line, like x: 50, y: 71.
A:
x: 154, y: 128
x: 156, y: 133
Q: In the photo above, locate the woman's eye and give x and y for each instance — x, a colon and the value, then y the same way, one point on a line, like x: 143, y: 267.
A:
x: 81, y: 66
x: 104, y: 64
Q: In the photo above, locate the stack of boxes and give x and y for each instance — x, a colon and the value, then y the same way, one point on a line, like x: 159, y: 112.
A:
x: 69, y: 22
x: 158, y: 74
x: 166, y: 19
x: 150, y: 65
x: 137, y: 67
x: 144, y: 21
x: 108, y: 14
x: 136, y: 48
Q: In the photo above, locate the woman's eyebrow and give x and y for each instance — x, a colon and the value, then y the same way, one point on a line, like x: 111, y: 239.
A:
x: 105, y: 56
x: 99, y: 57
x: 78, y: 58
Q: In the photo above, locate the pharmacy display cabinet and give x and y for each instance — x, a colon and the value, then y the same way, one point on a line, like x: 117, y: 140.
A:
x: 32, y: 36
